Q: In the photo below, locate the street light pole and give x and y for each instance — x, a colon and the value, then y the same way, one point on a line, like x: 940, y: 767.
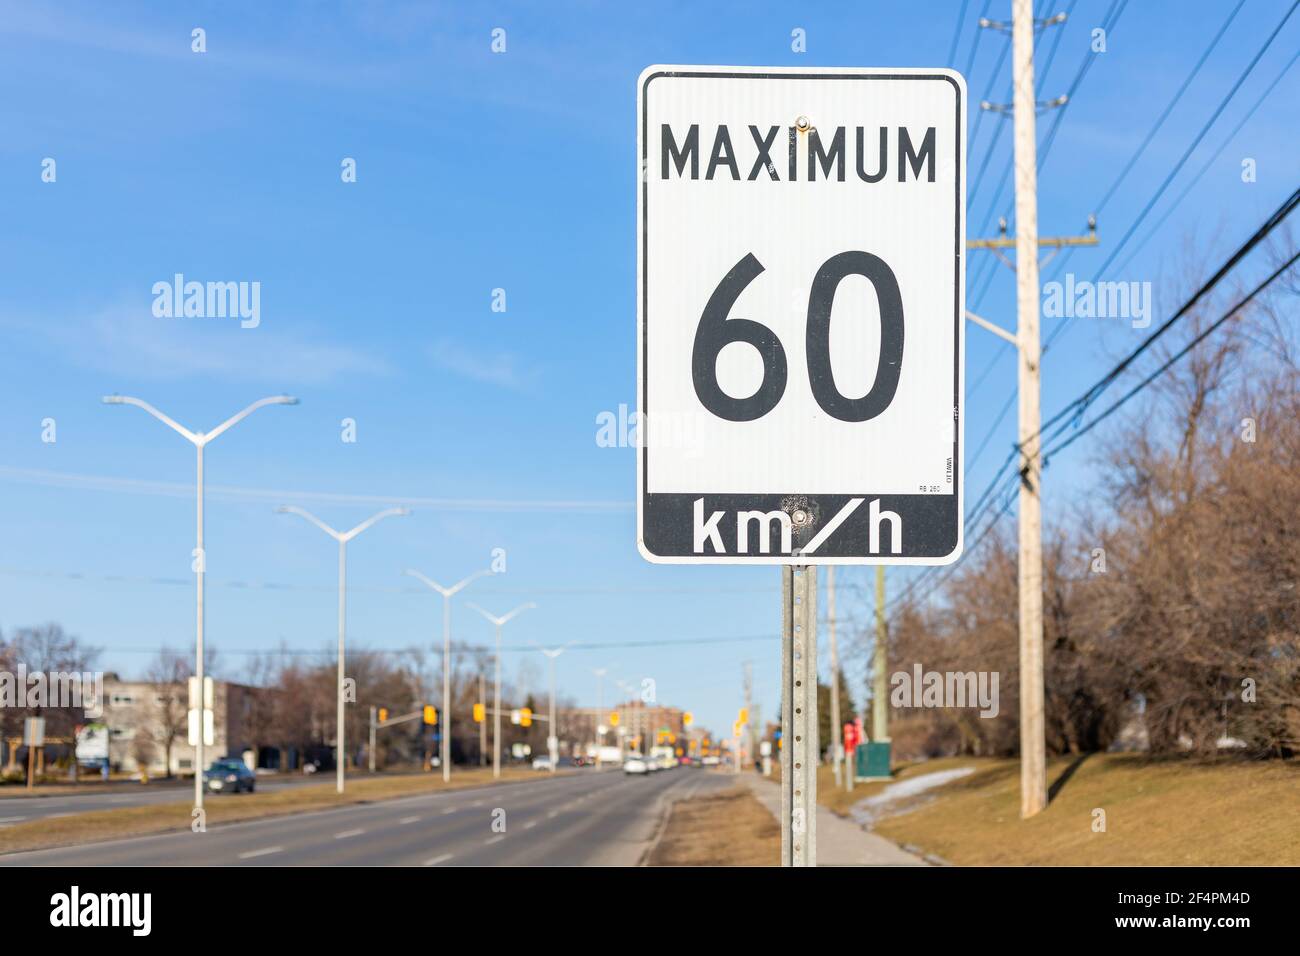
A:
x: 500, y: 622
x: 600, y: 673
x: 623, y: 727
x: 553, y: 737
x: 342, y: 537
x: 199, y: 440
x: 444, y: 729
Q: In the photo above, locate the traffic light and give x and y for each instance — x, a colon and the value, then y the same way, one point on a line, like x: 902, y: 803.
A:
x: 525, y: 716
x: 383, y: 714
x: 687, y: 719
x: 613, y: 719
x: 479, y: 713
x: 430, y: 714
x: 744, y: 715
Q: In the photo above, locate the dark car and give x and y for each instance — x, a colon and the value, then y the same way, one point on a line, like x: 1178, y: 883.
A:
x: 230, y: 775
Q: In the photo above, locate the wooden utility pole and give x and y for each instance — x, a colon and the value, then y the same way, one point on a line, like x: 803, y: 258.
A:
x: 482, y: 724
x: 837, y: 745
x: 1033, y: 759
x: 879, y: 662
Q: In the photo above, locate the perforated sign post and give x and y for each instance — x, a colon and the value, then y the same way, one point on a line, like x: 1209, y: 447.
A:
x: 800, y: 336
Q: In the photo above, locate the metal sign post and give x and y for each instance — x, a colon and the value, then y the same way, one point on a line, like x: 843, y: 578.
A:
x: 799, y: 755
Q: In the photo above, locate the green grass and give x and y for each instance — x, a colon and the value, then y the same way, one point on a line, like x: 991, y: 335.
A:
x: 1158, y: 812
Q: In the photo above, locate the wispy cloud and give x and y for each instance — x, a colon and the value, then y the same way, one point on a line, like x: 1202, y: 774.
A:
x: 125, y: 342
x: 502, y: 369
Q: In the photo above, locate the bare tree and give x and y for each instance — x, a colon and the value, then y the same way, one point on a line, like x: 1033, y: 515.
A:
x: 169, y: 675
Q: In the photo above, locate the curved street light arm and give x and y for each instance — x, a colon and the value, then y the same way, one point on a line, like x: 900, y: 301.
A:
x: 428, y: 582
x: 194, y: 437
x: 505, y: 617
x: 240, y: 416
x: 304, y: 513
x: 386, y: 513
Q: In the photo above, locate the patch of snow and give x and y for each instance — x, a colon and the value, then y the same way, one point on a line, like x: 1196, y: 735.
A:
x: 867, y: 811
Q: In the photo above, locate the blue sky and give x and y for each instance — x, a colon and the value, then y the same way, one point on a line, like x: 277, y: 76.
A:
x: 475, y: 171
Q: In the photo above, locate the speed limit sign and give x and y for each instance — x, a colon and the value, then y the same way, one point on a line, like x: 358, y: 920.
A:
x: 800, y: 315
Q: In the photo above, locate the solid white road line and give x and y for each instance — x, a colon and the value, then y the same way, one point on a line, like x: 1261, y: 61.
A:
x: 496, y: 839
x: 348, y: 833
x: 438, y: 859
x: 264, y: 852
x: 405, y: 820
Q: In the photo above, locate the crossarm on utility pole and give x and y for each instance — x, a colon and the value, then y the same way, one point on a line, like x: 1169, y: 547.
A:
x: 997, y: 330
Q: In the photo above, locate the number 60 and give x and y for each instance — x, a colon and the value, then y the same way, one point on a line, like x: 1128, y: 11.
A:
x: 716, y: 331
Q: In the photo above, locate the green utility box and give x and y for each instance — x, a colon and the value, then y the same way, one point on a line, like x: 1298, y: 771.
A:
x: 872, y: 761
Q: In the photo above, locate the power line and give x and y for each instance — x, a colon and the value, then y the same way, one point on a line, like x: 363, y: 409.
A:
x: 1209, y: 162
x: 1109, y: 22
x: 1088, y: 397
x: 1080, y: 404
x: 956, y: 30
x: 461, y: 650
x: 1164, y: 367
x: 179, y: 489
x: 1123, y: 174
x: 375, y: 589
x: 1164, y: 115
x: 1169, y: 108
x: 1196, y: 141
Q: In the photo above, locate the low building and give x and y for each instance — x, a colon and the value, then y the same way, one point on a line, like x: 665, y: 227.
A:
x: 147, y: 724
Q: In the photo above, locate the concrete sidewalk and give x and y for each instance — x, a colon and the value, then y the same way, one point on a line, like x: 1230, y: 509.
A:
x: 840, y: 842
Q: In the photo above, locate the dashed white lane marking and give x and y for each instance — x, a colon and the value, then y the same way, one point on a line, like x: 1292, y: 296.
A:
x: 348, y: 833
x: 438, y: 859
x: 530, y: 824
x: 553, y: 814
x: 267, y: 851
x: 449, y: 810
x: 496, y: 839
x: 478, y: 803
x: 405, y: 820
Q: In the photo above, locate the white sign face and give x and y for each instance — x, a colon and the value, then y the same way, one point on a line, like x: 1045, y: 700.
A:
x: 34, y: 732
x: 800, y: 315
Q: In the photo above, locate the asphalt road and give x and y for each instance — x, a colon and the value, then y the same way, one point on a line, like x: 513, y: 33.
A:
x: 590, y: 818
x: 21, y: 809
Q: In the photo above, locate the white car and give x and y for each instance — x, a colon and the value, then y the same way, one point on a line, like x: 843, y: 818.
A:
x: 635, y: 763
x: 542, y: 763
x: 710, y: 761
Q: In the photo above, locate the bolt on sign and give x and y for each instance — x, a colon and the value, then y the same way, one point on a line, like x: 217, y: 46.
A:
x: 800, y: 315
